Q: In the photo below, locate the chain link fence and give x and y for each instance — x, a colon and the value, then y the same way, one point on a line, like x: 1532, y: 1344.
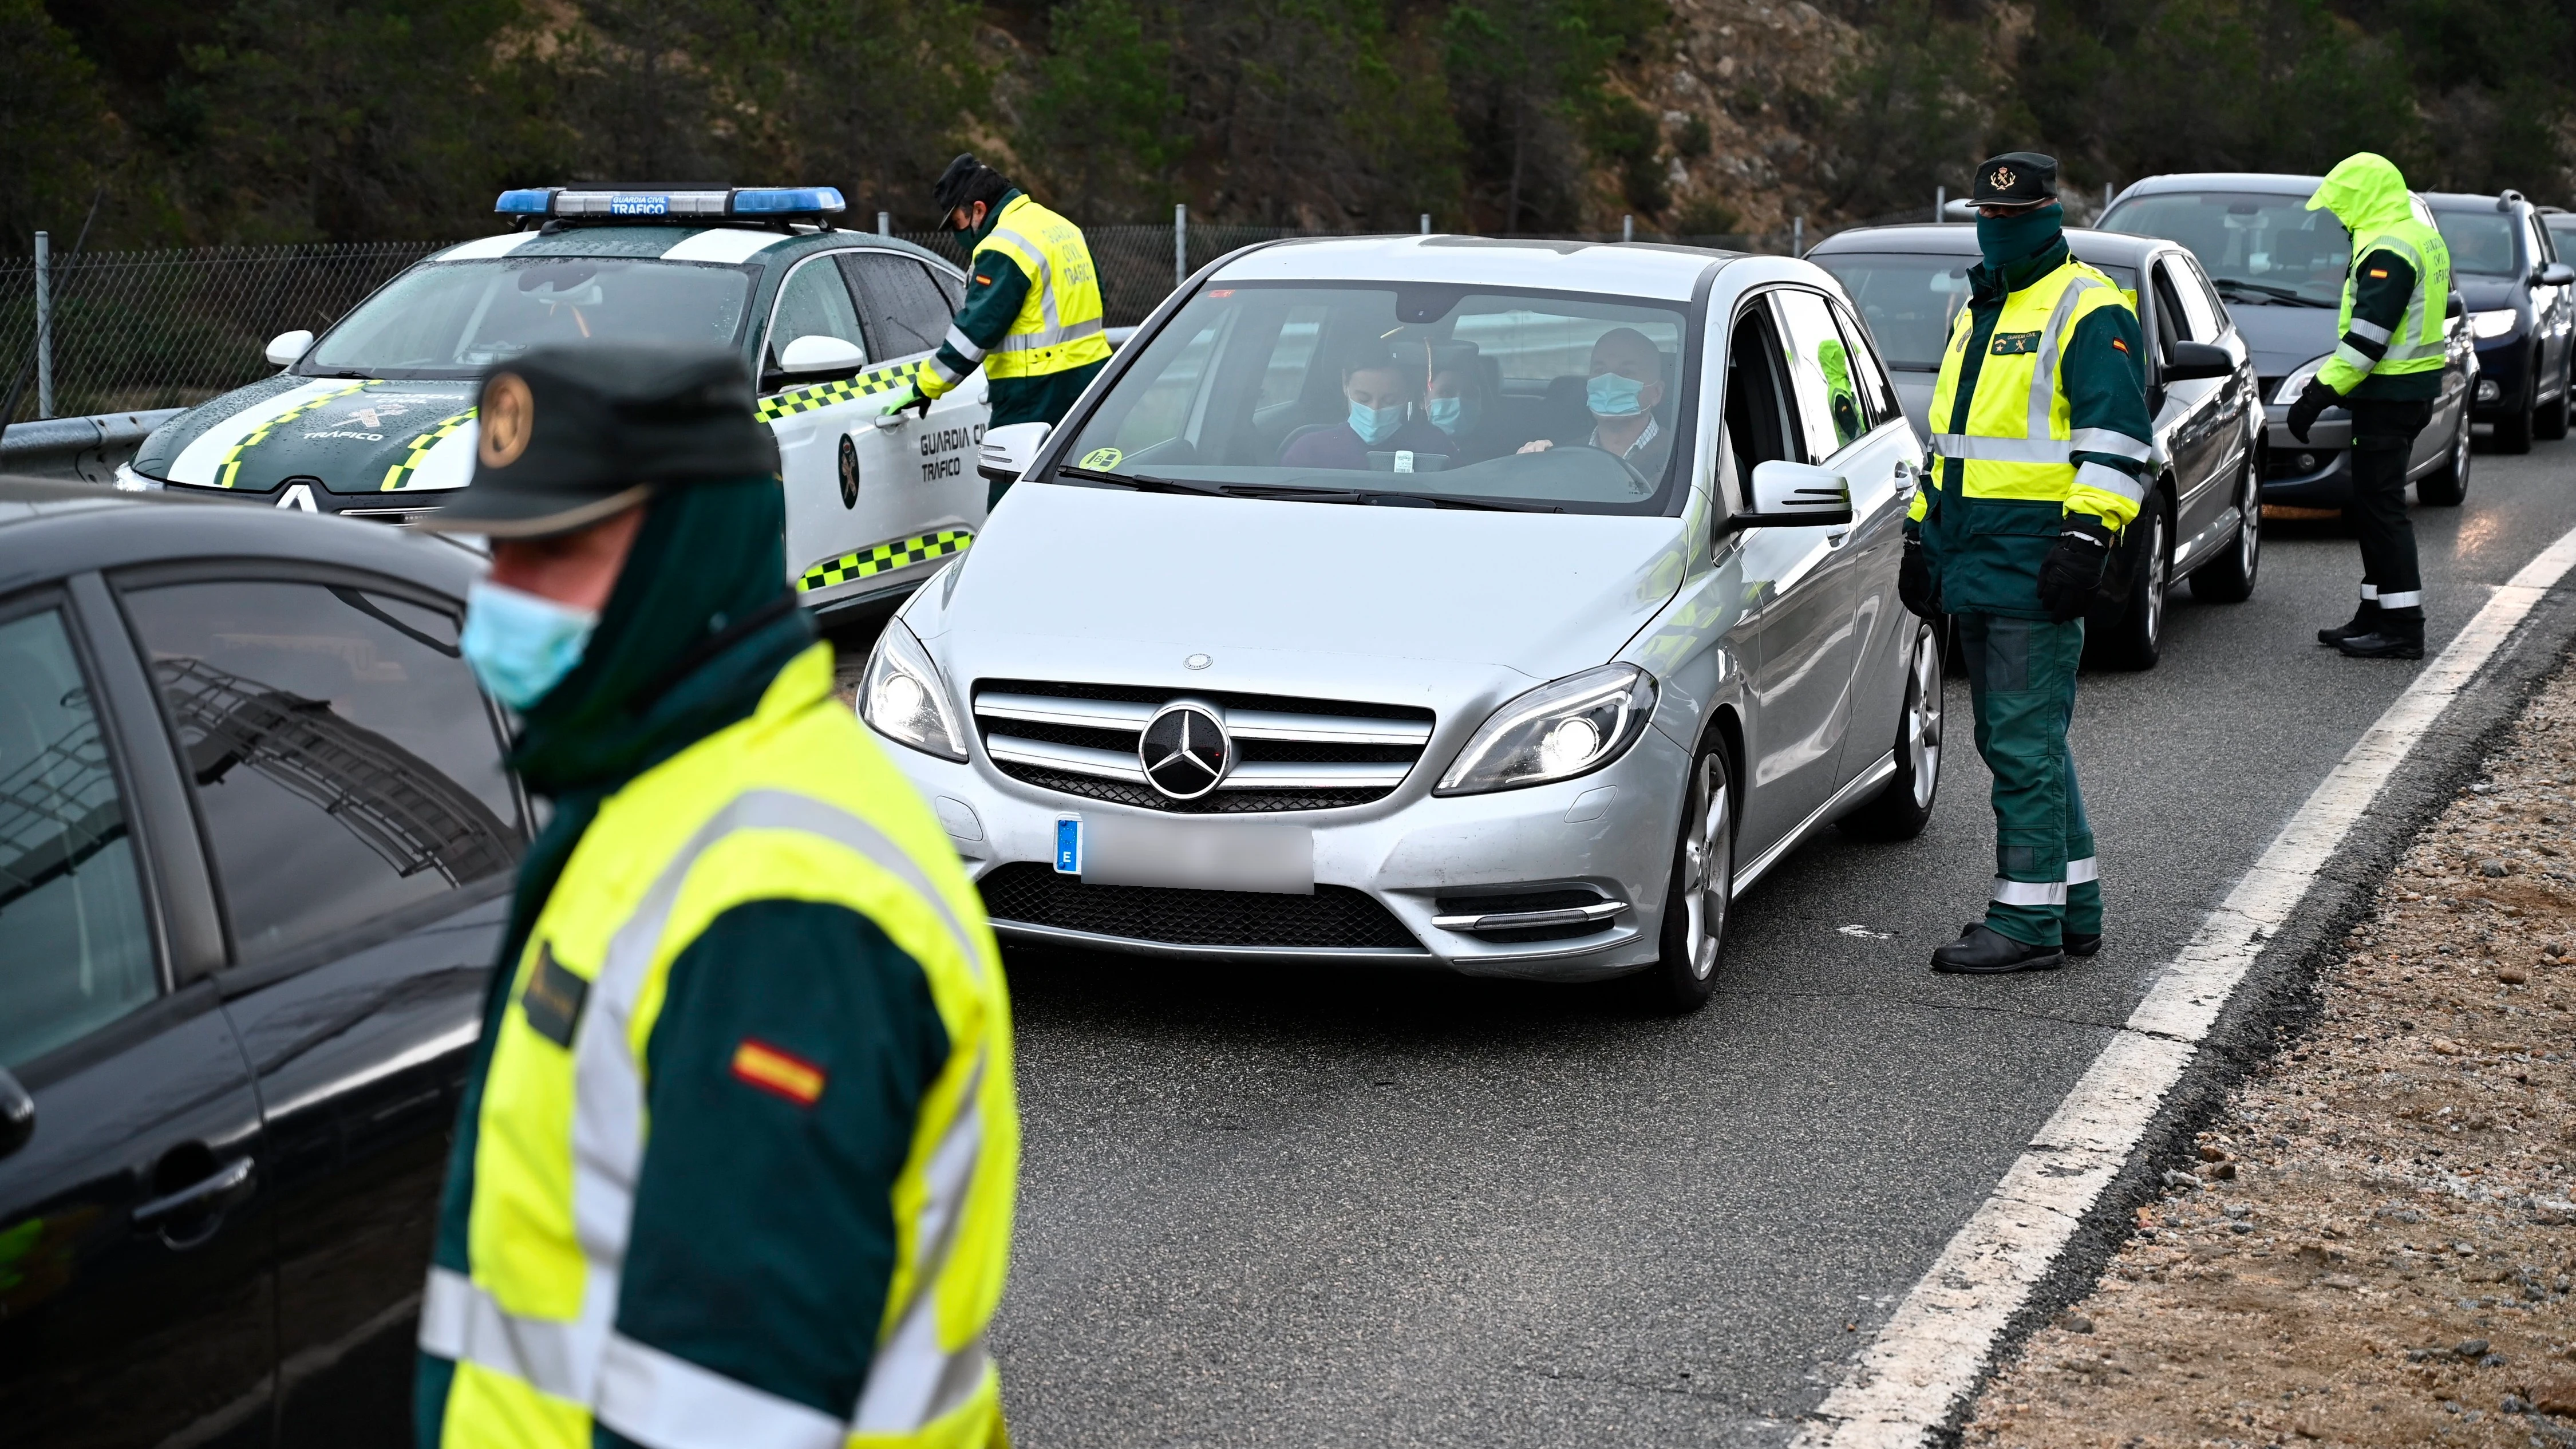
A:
x: 155, y: 329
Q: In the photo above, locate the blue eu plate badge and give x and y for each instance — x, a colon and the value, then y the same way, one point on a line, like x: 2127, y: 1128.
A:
x: 1068, y: 845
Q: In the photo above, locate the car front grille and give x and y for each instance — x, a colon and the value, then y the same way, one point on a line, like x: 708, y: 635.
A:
x: 1291, y: 754
x: 1334, y: 917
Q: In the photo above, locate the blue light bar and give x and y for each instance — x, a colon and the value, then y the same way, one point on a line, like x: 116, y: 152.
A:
x: 527, y: 201
x: 766, y: 202
x: 787, y: 200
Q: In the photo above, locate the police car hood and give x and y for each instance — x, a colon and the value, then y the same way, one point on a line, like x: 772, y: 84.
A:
x: 1097, y: 584
x: 353, y: 435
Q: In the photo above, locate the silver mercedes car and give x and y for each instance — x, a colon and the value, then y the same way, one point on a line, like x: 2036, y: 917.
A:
x: 1502, y: 606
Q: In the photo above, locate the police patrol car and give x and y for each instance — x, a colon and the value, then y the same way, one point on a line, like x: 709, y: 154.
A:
x: 375, y: 418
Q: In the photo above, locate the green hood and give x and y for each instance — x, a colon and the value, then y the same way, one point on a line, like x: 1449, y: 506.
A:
x: 2365, y: 191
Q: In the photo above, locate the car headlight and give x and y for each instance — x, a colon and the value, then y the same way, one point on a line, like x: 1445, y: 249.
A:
x: 2498, y: 323
x: 2297, y: 382
x: 1555, y: 732
x: 902, y: 697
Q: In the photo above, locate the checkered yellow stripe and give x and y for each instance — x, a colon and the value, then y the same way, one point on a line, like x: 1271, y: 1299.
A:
x: 228, y: 471
x: 400, y: 473
x: 902, y: 553
x: 824, y: 394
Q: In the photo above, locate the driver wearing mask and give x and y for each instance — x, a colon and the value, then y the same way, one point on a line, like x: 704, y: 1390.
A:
x: 1381, y: 393
x: 1626, y: 384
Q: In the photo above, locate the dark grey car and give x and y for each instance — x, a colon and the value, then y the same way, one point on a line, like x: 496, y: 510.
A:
x: 2202, y: 520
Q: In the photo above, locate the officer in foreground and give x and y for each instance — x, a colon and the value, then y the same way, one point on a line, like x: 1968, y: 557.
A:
x: 1033, y: 313
x: 2387, y: 371
x: 2035, y: 470
x: 734, y: 1164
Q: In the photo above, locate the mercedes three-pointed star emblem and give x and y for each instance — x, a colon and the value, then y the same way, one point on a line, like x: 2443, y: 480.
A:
x: 1185, y: 749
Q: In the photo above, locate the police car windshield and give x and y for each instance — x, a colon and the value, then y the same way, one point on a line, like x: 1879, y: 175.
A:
x: 2278, y: 249
x: 1403, y: 395
x: 454, y: 319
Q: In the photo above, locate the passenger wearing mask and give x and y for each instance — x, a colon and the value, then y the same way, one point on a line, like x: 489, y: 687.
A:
x: 1624, y: 389
x: 1381, y: 393
x: 1456, y: 404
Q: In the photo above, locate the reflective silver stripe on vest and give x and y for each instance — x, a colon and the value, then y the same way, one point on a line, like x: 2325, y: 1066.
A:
x: 2002, y: 450
x: 1050, y: 337
x: 2029, y: 893
x: 1044, y: 281
x: 462, y: 1322
x: 2109, y: 440
x: 2361, y: 361
x: 2080, y: 871
x: 914, y: 1381
x: 963, y: 345
x: 2366, y: 330
x: 949, y: 375
x: 2104, y: 478
x: 2043, y: 378
x: 667, y: 1402
x: 2408, y: 343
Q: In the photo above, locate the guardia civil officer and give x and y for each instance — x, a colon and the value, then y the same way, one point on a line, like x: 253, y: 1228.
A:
x: 734, y: 1164
x: 1032, y: 315
x: 2386, y: 371
x: 2039, y: 458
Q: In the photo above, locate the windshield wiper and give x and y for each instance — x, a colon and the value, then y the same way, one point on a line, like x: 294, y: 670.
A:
x: 1141, y: 482
x: 1374, y: 495
x: 2265, y: 292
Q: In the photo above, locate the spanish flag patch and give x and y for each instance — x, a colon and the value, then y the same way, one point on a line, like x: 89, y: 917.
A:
x: 2380, y: 272
x: 781, y: 1073
x: 2116, y: 342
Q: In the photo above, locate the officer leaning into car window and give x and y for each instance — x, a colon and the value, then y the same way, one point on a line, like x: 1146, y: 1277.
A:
x: 2386, y: 371
x: 1033, y: 312
x: 2040, y: 456
x: 734, y: 1162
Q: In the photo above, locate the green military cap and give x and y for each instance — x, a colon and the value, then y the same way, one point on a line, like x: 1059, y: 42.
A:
x: 2015, y: 178
x: 569, y: 435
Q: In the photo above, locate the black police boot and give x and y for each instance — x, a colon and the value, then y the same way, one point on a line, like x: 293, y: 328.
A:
x: 1980, y: 951
x: 2364, y: 620
x: 2390, y: 640
x: 2078, y: 944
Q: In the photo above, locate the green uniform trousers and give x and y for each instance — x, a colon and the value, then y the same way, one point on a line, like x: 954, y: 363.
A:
x: 2021, y: 677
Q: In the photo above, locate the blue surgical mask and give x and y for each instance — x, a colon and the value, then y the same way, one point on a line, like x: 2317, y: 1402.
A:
x: 1613, y: 396
x: 1376, y: 425
x: 1448, y: 414
x: 520, y: 645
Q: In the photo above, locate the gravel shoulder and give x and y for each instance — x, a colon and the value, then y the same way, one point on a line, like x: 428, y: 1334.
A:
x: 2373, y: 1241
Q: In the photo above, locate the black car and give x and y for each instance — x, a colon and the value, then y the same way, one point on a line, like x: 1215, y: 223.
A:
x: 2280, y: 269
x: 2522, y: 310
x: 256, y: 840
x: 2202, y: 520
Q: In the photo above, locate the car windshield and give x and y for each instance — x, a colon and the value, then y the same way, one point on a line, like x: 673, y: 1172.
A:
x: 1402, y: 394
x: 2259, y: 249
x: 1908, y: 299
x: 453, y: 319
x: 2481, y: 242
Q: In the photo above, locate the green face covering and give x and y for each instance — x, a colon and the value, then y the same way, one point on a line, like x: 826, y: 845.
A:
x: 2007, y: 239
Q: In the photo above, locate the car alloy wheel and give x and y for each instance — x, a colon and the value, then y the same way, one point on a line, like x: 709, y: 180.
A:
x: 1903, y: 806
x: 2136, y: 637
x: 2229, y: 579
x: 2446, y: 487
x: 1703, y: 887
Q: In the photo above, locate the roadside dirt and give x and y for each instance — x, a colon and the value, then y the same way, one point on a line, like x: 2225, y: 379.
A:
x: 2376, y: 1244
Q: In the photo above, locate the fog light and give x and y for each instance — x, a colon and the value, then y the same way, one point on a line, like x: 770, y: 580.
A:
x: 2307, y: 462
x: 2488, y: 391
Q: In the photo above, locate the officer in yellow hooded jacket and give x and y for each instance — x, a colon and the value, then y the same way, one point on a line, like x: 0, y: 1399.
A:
x: 734, y: 1163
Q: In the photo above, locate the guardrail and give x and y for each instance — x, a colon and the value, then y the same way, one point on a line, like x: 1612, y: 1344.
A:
x: 86, y: 450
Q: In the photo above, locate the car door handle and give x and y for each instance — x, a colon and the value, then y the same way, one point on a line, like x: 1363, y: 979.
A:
x: 227, y: 1185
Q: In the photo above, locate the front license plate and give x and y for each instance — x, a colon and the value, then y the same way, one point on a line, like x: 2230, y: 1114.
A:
x: 1068, y: 845
x: 1198, y: 855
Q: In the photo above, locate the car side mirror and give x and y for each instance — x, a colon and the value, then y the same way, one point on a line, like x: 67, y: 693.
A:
x: 2192, y: 360
x: 286, y: 347
x: 817, y: 354
x: 1008, y: 449
x: 2556, y: 274
x: 17, y: 1114
x: 1796, y: 495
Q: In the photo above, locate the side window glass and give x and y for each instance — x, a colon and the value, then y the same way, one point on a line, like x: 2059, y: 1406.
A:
x: 952, y: 290
x: 1292, y: 357
x: 1163, y: 407
x: 75, y: 950
x: 1826, y: 403
x: 1877, y: 395
x: 813, y: 303
x: 1758, y: 428
x: 346, y: 765
x: 901, y: 307
x: 2220, y: 318
x: 2176, y: 286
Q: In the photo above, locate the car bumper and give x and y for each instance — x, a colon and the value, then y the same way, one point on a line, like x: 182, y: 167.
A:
x: 1416, y: 856
x: 2313, y: 474
x: 2503, y: 378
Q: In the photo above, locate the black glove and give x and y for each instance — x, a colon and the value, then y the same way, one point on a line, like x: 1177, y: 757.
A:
x: 1916, y: 587
x: 2313, y: 400
x: 2072, y: 573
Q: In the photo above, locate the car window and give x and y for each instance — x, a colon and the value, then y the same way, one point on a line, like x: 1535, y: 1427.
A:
x: 1759, y: 427
x: 2168, y: 320
x: 345, y: 763
x: 2561, y: 226
x: 900, y: 304
x: 1908, y: 300
x: 1164, y: 395
x: 2177, y: 288
x: 1820, y: 374
x: 2481, y: 242
x: 2189, y: 276
x: 1292, y: 359
x: 813, y: 303
x: 1877, y: 396
x: 75, y: 950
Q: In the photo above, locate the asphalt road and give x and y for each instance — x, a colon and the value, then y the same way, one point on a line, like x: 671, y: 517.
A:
x: 1338, y: 1208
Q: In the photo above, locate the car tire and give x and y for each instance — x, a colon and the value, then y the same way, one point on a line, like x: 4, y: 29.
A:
x: 1702, y: 890
x: 1903, y: 806
x: 2513, y: 434
x: 2229, y: 578
x: 2136, y: 637
x: 2447, y: 485
x: 2552, y: 420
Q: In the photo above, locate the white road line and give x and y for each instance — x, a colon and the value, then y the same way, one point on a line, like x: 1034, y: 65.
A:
x: 1931, y: 1352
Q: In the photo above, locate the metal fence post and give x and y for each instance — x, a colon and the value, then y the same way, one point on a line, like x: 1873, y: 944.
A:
x: 885, y: 224
x: 2106, y: 196
x: 1180, y: 244
x: 44, y: 325
x: 1940, y: 201
x: 1798, y: 237
x: 1426, y: 223
x: 1627, y: 228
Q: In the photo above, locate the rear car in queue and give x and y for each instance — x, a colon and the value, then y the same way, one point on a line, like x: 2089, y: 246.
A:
x: 2521, y: 302
x: 1513, y: 606
x: 256, y: 844
x: 375, y: 417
